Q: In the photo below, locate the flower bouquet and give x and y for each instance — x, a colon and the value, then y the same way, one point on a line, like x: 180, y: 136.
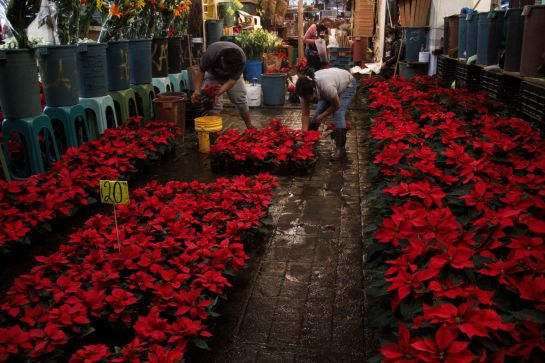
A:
x: 126, y: 19
x: 208, y: 95
x: 275, y: 148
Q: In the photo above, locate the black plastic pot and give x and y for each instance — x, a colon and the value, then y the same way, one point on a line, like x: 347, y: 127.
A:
x: 59, y: 71
x: 175, y: 57
x: 19, y: 88
x: 513, y: 39
x: 159, y: 57
x: 140, y: 61
x: 92, y: 70
x: 118, y: 65
x: 214, y: 30
x: 496, y: 36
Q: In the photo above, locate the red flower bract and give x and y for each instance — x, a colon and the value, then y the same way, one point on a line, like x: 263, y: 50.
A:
x: 177, y: 250
x: 275, y: 148
x: 461, y: 225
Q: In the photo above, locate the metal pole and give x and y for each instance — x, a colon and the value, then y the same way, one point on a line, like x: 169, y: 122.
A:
x: 300, y: 47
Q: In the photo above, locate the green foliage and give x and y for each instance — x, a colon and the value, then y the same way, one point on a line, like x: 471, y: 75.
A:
x: 20, y: 14
x: 257, y: 42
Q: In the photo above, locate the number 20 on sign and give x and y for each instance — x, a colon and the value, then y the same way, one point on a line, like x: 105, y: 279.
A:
x: 114, y: 192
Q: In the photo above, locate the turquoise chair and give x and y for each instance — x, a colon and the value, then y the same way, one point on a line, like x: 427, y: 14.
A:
x: 30, y: 129
x: 101, y: 110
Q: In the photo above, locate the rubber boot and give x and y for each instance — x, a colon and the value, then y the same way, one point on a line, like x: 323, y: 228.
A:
x: 340, y: 143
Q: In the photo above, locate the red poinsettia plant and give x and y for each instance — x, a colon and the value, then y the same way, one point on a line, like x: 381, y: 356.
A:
x: 274, y: 148
x: 156, y: 294
x: 209, y: 92
x: 30, y: 205
x: 458, y: 245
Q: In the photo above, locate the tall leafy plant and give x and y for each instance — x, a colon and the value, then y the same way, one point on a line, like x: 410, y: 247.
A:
x: 67, y: 20
x: 257, y: 42
x: 20, y: 14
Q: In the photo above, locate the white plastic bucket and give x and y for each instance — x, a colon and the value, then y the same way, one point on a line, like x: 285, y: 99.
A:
x: 424, y: 57
x: 253, y: 95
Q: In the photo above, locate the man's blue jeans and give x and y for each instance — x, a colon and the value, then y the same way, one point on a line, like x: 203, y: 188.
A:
x: 339, y: 116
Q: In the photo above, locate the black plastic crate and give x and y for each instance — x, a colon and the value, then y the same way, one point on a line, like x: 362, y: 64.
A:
x: 468, y: 76
x: 502, y: 87
x: 491, y: 82
x: 510, y: 91
x: 446, y: 70
x: 532, y: 101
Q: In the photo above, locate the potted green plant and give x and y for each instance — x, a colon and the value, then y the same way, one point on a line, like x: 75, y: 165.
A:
x: 19, y: 87
x: 255, y: 43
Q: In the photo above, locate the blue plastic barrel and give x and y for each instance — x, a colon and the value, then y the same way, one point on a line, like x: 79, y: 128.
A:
x: 254, y: 68
x: 482, y: 41
x: 274, y: 89
x: 140, y: 61
x: 471, y: 35
x: 462, y: 37
x: 414, y: 40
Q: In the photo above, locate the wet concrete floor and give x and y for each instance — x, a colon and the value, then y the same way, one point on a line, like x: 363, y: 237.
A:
x: 301, y: 299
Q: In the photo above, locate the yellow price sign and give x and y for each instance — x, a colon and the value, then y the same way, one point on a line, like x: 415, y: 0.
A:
x: 114, y: 192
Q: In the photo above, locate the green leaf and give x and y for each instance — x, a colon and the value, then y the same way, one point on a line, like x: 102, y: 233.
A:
x: 470, y: 275
x: 87, y: 331
x: 201, y: 344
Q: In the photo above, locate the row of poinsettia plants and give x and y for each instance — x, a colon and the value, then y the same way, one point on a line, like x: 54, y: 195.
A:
x: 458, y: 256
x: 275, y: 148
x: 30, y: 205
x: 150, y: 295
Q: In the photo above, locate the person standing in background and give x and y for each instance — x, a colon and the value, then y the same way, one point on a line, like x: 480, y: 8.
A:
x: 315, y: 31
x: 392, y: 55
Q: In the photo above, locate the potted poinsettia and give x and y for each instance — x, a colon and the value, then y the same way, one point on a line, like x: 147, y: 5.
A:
x: 19, y: 88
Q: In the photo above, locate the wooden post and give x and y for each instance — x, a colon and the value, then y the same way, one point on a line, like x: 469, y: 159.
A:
x: 380, y: 29
x: 300, y: 20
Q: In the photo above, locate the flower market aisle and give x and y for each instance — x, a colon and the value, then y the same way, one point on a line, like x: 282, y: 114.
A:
x: 301, y: 299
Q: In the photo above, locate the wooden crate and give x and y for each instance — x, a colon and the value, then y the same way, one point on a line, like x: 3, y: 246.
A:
x: 364, y: 18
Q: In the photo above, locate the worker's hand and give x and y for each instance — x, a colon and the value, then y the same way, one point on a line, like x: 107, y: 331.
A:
x: 320, y: 119
x: 196, y: 96
x: 383, y: 66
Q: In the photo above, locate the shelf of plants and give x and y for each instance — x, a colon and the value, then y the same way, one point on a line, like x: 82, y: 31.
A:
x: 275, y: 148
x: 30, y: 205
x: 147, y: 297
x: 458, y: 256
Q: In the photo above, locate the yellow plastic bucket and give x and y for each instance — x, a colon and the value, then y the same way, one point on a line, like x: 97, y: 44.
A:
x: 204, y: 126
